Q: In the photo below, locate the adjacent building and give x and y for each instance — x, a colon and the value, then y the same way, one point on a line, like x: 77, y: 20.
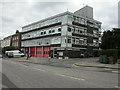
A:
x: 12, y: 40
x: 0, y: 43
x: 0, y: 47
x: 63, y: 35
x: 16, y: 40
x: 6, y: 41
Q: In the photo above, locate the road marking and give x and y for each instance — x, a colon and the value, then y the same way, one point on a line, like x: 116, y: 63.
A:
x: 23, y: 65
x: 38, y: 69
x: 116, y: 87
x: 108, y: 69
x: 71, y: 77
x: 115, y: 71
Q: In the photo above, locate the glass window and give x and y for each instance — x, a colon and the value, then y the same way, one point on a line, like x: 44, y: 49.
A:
x: 80, y: 31
x: 76, y: 30
x: 41, y: 33
x: 82, y: 21
x: 69, y: 29
x: 74, y: 18
x: 53, y: 31
x: 69, y: 18
x: 77, y: 19
x: 73, y: 40
x: 80, y: 41
x: 69, y: 40
x: 50, y: 31
x: 59, y: 29
x: 44, y: 32
x: 77, y: 41
x: 28, y: 35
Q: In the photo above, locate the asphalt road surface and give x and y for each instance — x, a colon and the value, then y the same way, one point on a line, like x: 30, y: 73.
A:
x: 27, y: 75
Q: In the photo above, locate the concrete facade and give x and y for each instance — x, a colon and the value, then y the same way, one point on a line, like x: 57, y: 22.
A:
x: 86, y: 12
x: 63, y: 35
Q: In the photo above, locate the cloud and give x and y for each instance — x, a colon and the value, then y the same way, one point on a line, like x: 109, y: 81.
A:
x: 17, y: 13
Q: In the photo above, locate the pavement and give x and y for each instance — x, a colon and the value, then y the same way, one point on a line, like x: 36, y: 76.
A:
x: 73, y: 62
x: 94, y: 62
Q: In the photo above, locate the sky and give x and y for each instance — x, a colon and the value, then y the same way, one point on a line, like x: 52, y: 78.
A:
x: 17, y: 13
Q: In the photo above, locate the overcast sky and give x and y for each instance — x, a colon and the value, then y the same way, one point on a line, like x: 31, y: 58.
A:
x: 16, y: 13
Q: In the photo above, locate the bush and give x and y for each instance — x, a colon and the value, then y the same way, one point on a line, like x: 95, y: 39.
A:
x: 7, y: 49
x: 110, y: 53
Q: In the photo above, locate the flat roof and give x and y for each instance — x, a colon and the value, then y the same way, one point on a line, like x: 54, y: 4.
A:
x: 58, y: 15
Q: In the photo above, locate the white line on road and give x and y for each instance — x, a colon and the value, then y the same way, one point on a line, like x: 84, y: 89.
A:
x: 116, y: 87
x: 25, y: 65
x: 115, y: 71
x: 38, y: 69
x: 71, y: 77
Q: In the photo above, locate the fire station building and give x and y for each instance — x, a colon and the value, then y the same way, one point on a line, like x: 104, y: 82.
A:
x: 64, y: 35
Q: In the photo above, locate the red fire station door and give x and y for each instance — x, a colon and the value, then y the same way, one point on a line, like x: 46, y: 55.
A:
x: 46, y: 51
x: 32, y: 51
x: 39, y: 52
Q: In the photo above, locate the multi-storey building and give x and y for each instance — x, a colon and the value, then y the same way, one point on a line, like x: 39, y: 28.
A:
x: 0, y: 43
x: 16, y: 40
x: 64, y: 35
x: 6, y: 41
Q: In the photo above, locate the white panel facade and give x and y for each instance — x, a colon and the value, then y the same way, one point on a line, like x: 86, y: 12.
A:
x: 43, y: 23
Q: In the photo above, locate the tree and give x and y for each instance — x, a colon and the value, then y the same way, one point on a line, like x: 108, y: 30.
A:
x: 8, y: 48
x: 111, y: 39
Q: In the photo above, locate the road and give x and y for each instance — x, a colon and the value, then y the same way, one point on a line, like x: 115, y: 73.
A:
x: 28, y: 75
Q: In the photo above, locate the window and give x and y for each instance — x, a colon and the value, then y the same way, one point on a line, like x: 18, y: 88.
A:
x: 69, y: 40
x: 17, y: 37
x: 77, y: 41
x: 80, y: 31
x: 74, y: 18
x: 80, y: 41
x: 41, y: 33
x: 44, y: 32
x: 69, y: 29
x: 17, y: 43
x: 76, y: 30
x: 39, y: 43
x: 73, y: 40
x: 82, y: 21
x: 53, y: 31
x: 50, y: 31
x: 73, y: 29
x: 59, y: 29
x: 63, y: 40
x: 77, y: 19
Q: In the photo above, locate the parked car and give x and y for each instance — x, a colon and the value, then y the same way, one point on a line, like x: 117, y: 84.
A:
x: 82, y: 55
x: 1, y: 56
x: 14, y: 53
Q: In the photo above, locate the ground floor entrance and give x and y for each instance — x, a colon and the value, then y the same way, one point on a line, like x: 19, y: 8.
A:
x: 56, y: 52
x: 41, y: 51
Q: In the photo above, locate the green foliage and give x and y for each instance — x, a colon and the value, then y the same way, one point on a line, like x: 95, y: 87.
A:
x: 111, y: 39
x: 7, y: 49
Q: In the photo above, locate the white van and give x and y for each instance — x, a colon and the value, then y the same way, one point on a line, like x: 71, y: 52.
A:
x: 14, y: 53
